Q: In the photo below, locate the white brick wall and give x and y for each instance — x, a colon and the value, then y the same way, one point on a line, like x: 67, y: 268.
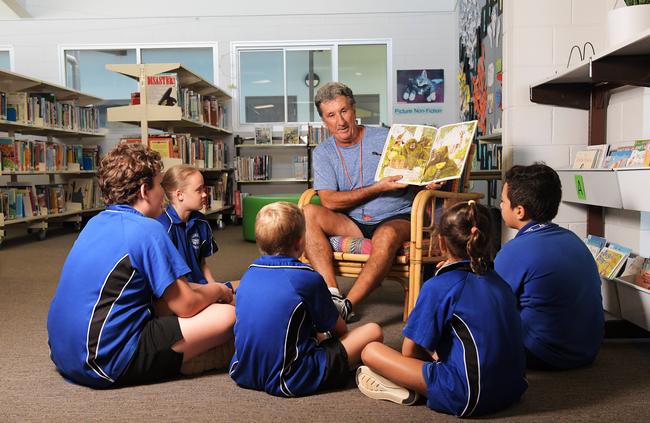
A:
x: 538, y: 36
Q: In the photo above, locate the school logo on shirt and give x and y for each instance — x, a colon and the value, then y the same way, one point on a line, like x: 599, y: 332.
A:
x: 196, y: 241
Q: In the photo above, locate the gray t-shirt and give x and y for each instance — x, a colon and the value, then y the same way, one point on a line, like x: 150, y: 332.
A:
x: 330, y: 174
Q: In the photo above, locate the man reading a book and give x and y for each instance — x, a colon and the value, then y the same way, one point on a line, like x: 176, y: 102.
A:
x: 353, y: 203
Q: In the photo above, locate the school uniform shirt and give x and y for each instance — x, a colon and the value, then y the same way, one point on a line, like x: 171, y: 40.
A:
x: 193, y: 239
x: 556, y: 281
x: 281, y: 305
x: 118, y: 264
x: 471, y: 322
x: 344, y: 171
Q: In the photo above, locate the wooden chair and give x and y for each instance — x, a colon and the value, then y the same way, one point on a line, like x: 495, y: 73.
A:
x: 420, y: 250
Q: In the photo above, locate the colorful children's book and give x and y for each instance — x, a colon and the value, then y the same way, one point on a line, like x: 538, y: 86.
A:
x: 424, y: 154
x: 595, y: 243
x: 611, y: 259
x: 290, y: 135
x: 8, y: 161
x: 618, y: 157
x: 640, y: 155
x: 263, y: 134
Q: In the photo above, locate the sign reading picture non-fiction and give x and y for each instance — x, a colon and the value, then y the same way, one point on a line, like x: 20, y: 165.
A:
x: 421, y: 86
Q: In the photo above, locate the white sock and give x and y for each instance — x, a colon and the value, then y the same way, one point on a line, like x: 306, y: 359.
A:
x: 334, y: 291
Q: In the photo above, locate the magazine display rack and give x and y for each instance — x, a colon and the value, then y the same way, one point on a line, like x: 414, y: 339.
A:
x: 75, y: 128
x: 170, y: 118
x: 587, y: 86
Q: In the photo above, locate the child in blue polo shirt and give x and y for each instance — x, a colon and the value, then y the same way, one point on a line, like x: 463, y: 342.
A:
x: 101, y: 324
x: 187, y: 227
x: 289, y: 338
x: 462, y: 344
x: 551, y: 271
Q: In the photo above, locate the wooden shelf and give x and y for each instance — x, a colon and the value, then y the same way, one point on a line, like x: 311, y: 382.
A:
x: 491, y: 138
x: 26, y: 128
x: 216, y: 170
x: 625, y: 64
x: 51, y: 216
x: 217, y: 211
x: 485, y: 175
x: 14, y: 82
x: 48, y: 172
x: 273, y: 145
x: 276, y: 181
x: 186, y: 77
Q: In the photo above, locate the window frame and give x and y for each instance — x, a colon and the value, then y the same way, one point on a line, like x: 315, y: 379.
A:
x: 138, y: 47
x: 10, y: 50
x: 297, y: 45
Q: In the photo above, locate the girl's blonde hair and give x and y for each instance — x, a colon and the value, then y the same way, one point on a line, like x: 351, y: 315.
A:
x: 278, y: 227
x: 176, y: 178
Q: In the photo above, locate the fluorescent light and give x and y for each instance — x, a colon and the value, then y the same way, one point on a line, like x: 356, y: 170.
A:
x: 264, y: 106
x: 261, y: 81
x: 358, y: 73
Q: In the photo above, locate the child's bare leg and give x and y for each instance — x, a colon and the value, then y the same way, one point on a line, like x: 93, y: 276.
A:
x: 391, y: 364
x: 208, y: 329
x: 355, y: 340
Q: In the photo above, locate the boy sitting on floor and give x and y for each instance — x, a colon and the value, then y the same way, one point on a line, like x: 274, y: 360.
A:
x: 551, y: 272
x: 101, y: 326
x: 289, y: 337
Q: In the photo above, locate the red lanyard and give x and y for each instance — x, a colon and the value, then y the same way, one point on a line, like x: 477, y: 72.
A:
x: 345, y: 168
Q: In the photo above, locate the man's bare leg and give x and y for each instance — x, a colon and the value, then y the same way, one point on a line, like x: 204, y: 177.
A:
x: 321, y: 223
x: 386, y: 240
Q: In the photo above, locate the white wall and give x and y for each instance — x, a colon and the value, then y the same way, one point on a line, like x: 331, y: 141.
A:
x: 538, y: 38
x: 423, y: 33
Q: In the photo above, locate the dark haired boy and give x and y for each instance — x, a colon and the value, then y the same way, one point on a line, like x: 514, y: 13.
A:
x: 551, y: 272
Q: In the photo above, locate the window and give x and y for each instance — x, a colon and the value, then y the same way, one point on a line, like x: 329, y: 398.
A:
x: 85, y: 67
x: 277, y: 83
x: 5, y: 59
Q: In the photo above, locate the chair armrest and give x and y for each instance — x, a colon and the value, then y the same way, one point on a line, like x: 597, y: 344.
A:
x: 424, y: 201
x: 306, y: 197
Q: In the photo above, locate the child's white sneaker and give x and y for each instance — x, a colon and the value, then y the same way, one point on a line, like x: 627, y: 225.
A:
x: 378, y: 387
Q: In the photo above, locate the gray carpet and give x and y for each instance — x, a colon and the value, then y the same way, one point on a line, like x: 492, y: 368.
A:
x: 615, y: 388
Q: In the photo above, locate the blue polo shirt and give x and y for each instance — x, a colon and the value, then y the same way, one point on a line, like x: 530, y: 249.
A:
x: 471, y: 321
x: 281, y: 305
x: 118, y: 264
x: 193, y: 239
x: 331, y: 172
x: 557, y: 285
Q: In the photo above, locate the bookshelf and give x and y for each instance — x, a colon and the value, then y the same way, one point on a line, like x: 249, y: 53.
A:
x: 45, y: 154
x: 269, y: 149
x: 194, y: 113
x: 588, y: 86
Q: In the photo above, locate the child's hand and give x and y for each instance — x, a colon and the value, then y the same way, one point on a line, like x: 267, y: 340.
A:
x: 225, y: 295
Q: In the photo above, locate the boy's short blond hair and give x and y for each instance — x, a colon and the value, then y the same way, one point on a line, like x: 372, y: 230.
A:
x: 278, y: 227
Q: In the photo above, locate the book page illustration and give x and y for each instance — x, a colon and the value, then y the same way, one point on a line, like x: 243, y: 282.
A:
x: 424, y: 154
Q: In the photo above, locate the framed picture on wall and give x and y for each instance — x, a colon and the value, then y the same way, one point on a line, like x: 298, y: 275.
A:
x: 263, y: 134
x: 421, y: 86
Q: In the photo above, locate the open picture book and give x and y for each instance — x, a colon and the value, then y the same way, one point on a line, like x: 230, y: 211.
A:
x: 424, y: 154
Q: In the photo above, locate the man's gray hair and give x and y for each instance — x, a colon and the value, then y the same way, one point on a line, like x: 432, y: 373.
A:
x: 330, y: 91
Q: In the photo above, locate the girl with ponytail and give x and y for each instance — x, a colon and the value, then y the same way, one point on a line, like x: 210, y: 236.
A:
x: 462, y: 347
